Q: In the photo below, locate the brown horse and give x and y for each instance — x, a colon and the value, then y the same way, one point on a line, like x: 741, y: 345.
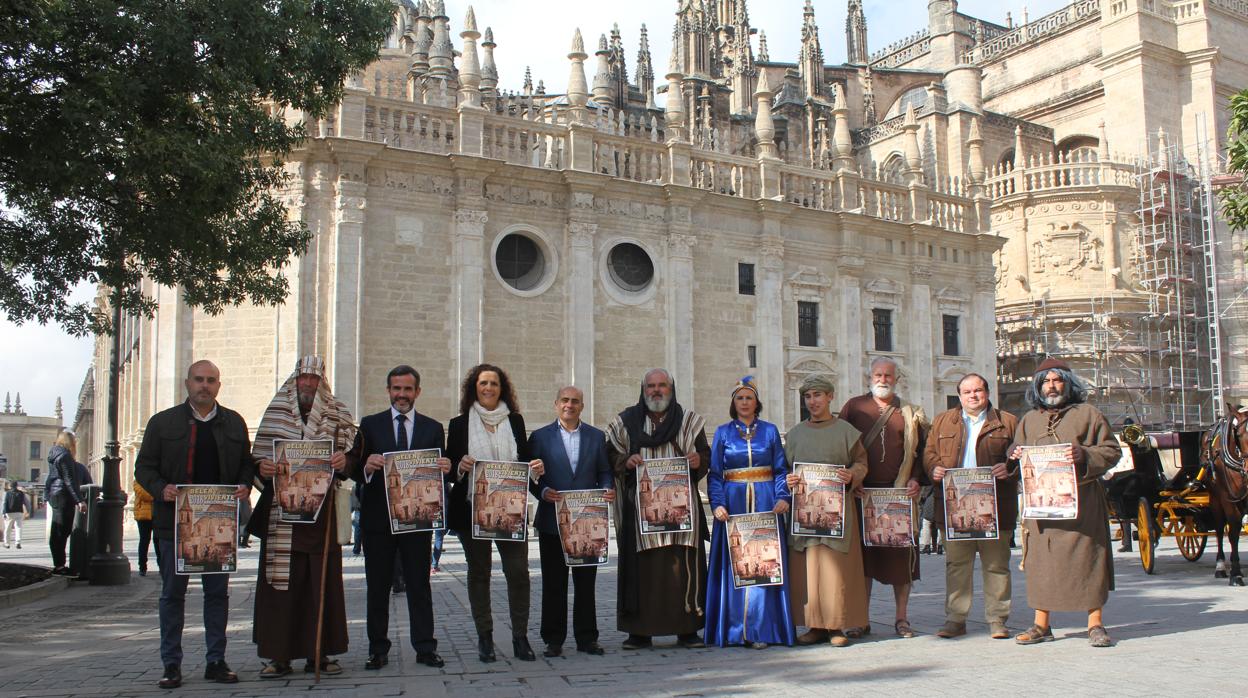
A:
x: 1222, y: 452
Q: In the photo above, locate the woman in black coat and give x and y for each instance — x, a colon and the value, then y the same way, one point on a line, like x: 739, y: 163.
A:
x: 489, y: 427
x: 65, y: 477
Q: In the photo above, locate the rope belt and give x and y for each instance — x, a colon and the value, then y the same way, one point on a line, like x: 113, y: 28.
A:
x: 758, y: 474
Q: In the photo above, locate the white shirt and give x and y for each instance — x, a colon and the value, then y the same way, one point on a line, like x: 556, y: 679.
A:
x: 973, y: 425
x: 407, y: 426
x: 208, y: 417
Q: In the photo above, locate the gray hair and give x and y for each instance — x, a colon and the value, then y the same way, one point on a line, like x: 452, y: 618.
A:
x: 883, y: 360
x: 664, y: 371
x: 1076, y: 390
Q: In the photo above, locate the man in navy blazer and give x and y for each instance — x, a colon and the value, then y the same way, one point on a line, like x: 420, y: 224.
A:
x: 399, y: 428
x: 575, y: 455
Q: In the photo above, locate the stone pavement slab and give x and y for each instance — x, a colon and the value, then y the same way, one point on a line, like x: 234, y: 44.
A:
x: 1178, y: 631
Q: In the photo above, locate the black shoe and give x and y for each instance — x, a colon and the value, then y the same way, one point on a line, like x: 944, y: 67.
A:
x: 925, y: 550
x: 142, y: 573
x: 172, y: 677
x: 591, y: 648
x: 485, y: 650
x: 220, y: 673
x: 400, y: 589
x: 637, y: 642
x: 376, y: 661
x: 522, y: 650
x: 690, y: 641
x: 553, y: 651
x: 940, y: 550
x: 430, y: 659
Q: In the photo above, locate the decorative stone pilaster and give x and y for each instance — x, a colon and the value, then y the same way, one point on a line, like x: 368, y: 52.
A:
x: 680, y: 305
x: 769, y: 318
x: 850, y: 356
x: 982, y: 330
x: 468, y: 275
x: 921, y: 355
x: 349, y: 205
x: 580, y: 311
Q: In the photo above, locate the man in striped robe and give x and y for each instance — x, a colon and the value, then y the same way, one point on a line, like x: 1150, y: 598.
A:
x: 291, y: 555
x: 662, y: 576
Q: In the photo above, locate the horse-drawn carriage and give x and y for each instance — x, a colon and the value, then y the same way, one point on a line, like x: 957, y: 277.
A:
x: 1202, y: 492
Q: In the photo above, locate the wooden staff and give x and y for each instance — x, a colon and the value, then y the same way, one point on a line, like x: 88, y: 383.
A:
x: 329, y: 519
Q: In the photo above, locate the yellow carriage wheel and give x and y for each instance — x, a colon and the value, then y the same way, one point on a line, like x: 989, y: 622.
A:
x: 1191, y: 543
x: 1148, y: 541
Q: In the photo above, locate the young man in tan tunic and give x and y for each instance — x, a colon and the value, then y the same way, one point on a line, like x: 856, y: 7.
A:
x: 893, y: 434
x: 976, y: 435
x: 1068, y: 562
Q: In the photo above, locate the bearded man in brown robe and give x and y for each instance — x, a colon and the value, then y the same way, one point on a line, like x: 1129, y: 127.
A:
x: 1068, y: 562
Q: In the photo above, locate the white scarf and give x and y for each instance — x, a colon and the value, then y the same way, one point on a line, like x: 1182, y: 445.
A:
x: 485, y: 445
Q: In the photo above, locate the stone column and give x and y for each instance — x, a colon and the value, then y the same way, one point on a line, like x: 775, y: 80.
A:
x: 172, y: 333
x: 580, y: 311
x: 350, y: 205
x: 680, y: 308
x: 769, y: 320
x: 851, y: 340
x: 982, y: 330
x: 468, y: 249
x: 920, y: 352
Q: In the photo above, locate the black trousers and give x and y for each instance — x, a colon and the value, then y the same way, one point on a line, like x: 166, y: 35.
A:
x: 145, y: 538
x: 413, y: 551
x: 555, y: 596
x: 61, y: 524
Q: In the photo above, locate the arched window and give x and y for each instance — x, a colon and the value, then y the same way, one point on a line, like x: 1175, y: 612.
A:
x: 1007, y: 158
x: 1079, y: 149
x: 915, y: 95
x: 894, y: 169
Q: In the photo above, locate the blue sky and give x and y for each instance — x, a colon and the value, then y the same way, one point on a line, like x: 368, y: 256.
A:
x: 44, y: 362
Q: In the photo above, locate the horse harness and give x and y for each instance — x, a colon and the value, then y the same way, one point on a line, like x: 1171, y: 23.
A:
x: 1217, y: 446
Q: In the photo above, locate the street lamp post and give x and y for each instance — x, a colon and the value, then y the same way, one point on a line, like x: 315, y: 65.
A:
x: 109, y: 565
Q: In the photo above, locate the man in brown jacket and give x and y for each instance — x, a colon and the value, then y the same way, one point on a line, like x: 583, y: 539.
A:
x: 976, y: 435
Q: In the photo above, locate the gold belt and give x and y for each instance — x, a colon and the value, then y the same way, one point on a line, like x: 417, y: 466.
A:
x: 759, y: 474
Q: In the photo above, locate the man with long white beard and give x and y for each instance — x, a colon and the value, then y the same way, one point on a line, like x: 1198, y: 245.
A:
x: 893, y: 432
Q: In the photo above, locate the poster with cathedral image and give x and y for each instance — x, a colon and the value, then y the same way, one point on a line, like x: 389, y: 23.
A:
x: 584, y: 518
x: 415, y: 494
x: 664, y: 496
x: 500, y: 495
x: 1050, y: 489
x: 205, y: 539
x: 970, y: 504
x: 754, y: 550
x: 887, y: 518
x: 819, y: 501
x: 303, y: 478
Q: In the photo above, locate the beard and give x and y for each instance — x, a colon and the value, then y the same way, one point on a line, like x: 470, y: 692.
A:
x: 306, y: 400
x: 882, y: 391
x: 658, y: 404
x: 1054, y: 400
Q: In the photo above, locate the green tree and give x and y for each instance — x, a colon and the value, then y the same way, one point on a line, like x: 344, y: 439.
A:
x: 145, y: 138
x: 1235, y: 198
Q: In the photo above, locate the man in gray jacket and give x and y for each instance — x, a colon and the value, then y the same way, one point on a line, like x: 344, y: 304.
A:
x: 203, y: 443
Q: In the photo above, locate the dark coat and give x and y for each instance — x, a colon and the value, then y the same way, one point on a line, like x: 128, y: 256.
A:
x: 64, y: 479
x: 593, y: 471
x: 163, y: 455
x: 376, y: 436
x: 458, y: 508
x: 944, y: 448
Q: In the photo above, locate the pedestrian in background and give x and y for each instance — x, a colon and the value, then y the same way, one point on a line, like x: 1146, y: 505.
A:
x: 143, y: 519
x: 16, y: 509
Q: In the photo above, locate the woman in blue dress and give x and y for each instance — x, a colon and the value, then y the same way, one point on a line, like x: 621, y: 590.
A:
x: 747, y: 475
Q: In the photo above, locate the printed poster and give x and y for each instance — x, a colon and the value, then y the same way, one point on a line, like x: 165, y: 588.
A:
x: 754, y: 550
x: 414, y: 490
x: 887, y: 518
x: 584, y: 527
x: 970, y: 504
x: 303, y: 478
x: 205, y: 539
x: 1050, y: 489
x: 819, y: 501
x: 500, y: 491
x: 664, y: 496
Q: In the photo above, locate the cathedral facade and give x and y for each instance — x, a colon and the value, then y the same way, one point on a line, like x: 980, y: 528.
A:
x: 773, y: 217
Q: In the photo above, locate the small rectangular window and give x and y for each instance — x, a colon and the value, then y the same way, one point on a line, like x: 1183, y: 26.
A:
x: 952, y: 401
x: 751, y: 356
x: 34, y: 475
x: 882, y: 320
x: 944, y: 254
x: 951, y: 335
x: 745, y: 279
x: 807, y: 324
x: 36, y: 450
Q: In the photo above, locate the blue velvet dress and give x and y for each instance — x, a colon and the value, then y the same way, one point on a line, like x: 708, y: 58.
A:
x: 758, y: 614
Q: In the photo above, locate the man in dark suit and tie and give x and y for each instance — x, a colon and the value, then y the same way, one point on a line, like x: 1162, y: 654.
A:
x: 575, y: 455
x: 399, y: 428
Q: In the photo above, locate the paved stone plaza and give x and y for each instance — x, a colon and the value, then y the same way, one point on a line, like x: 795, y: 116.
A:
x: 1178, y: 632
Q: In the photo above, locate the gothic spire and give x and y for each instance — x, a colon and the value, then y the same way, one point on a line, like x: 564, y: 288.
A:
x: 763, y: 56
x: 810, y: 58
x: 489, y: 71
x: 856, y: 34
x: 578, y: 90
x: 645, y: 69
x: 603, y: 94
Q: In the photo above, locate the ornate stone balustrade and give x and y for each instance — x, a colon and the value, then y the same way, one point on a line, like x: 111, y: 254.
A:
x: 1045, y: 26
x: 1057, y: 174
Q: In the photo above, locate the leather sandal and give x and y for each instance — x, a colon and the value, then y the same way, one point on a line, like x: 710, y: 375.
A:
x: 1098, y: 636
x: 856, y: 633
x: 275, y: 670
x: 903, y: 628
x: 1034, y: 636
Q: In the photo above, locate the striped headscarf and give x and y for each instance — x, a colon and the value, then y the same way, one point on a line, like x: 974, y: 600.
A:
x: 328, y: 418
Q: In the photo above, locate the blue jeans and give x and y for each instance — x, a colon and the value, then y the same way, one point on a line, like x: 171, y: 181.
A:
x: 173, y: 608
x: 438, y: 535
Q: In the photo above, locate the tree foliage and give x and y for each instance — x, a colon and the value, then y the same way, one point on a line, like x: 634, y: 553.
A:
x: 1235, y: 198
x: 145, y: 138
